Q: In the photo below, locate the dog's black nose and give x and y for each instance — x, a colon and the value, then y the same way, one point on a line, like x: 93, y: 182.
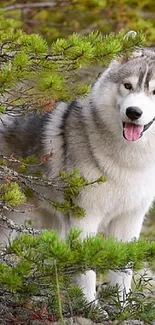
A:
x: 134, y: 113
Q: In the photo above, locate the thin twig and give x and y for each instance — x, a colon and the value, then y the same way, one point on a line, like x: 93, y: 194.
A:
x: 19, y: 228
x: 31, y: 5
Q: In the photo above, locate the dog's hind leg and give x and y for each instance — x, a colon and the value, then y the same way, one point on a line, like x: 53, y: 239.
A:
x: 124, y: 228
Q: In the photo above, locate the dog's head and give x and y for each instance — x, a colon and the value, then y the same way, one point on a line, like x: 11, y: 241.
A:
x: 125, y: 95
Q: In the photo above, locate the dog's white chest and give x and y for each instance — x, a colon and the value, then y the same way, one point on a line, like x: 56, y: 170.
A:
x: 127, y: 193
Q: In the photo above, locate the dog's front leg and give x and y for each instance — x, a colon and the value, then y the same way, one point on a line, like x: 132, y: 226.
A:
x: 88, y: 226
x: 125, y: 228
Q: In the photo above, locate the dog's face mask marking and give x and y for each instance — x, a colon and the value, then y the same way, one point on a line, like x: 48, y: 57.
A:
x: 124, y: 96
x: 136, y: 100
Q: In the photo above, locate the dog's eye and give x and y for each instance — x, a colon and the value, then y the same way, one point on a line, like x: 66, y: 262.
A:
x: 153, y: 92
x: 127, y: 85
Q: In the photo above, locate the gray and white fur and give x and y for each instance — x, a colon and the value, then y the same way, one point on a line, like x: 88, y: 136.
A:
x: 111, y: 132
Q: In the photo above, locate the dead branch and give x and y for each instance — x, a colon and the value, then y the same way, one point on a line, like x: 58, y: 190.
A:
x: 29, y: 5
x: 19, y: 228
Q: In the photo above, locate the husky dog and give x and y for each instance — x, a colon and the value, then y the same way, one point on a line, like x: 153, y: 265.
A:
x: 111, y: 132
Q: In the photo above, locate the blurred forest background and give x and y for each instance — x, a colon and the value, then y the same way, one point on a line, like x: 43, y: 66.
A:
x: 57, y: 18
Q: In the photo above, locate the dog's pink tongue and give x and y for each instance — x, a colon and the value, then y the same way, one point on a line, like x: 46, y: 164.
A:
x: 132, y: 132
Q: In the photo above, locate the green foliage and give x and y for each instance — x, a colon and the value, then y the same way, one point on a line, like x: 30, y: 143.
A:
x: 2, y: 108
x: 2, y: 162
x: 137, y: 306
x: 93, y: 253
x: 44, y: 265
x: 11, y: 194
x: 33, y: 44
x: 50, y: 73
x: 28, y: 165
x: 68, y: 206
x: 73, y: 184
x: 10, y: 278
x: 29, y: 160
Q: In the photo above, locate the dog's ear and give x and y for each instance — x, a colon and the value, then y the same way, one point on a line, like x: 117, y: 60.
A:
x: 123, y: 58
x: 138, y: 52
x: 130, y: 34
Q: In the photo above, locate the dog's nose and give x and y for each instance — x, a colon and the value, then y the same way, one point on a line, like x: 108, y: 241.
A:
x: 134, y: 113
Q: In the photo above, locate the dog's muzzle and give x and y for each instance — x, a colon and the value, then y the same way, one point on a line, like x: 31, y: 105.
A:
x: 133, y: 132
